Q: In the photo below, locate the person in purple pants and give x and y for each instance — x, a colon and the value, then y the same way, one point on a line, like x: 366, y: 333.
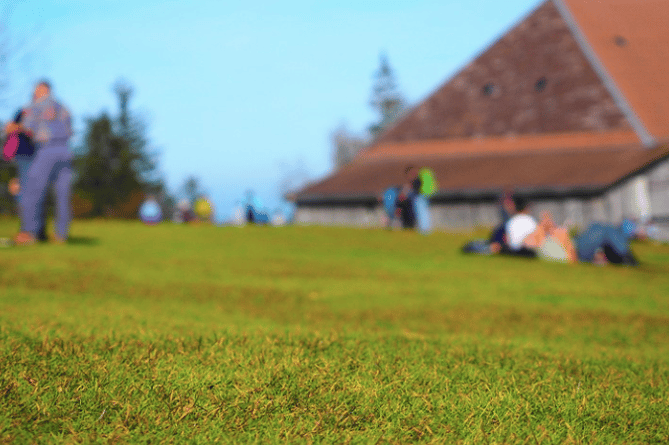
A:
x: 48, y: 123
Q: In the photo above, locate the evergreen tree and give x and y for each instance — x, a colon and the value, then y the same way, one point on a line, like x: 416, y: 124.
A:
x: 132, y: 129
x: 114, y: 169
x: 191, y: 189
x: 386, y: 98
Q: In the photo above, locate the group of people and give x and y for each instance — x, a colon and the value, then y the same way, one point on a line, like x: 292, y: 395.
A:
x: 252, y: 211
x: 407, y: 203
x: 253, y: 215
x: 201, y: 210
x: 38, y: 141
x: 520, y: 234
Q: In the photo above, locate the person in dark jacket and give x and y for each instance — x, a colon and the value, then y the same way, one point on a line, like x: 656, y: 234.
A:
x: 25, y: 154
x: 406, y: 197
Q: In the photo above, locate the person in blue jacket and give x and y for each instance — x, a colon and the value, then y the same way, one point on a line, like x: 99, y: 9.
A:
x: 47, y: 122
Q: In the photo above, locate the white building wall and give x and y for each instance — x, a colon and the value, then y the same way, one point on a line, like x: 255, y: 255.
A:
x: 641, y: 199
x: 575, y: 213
x: 554, y: 208
x: 597, y: 210
x: 339, y: 216
x: 634, y: 199
x: 658, y: 188
x: 614, y: 205
x: 487, y: 215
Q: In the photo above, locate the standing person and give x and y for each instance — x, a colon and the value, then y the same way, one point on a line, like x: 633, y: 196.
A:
x: 204, y: 209
x: 389, y: 201
x: 24, y: 158
x: 405, y: 200
x: 507, y: 209
x: 48, y: 123
x: 150, y: 212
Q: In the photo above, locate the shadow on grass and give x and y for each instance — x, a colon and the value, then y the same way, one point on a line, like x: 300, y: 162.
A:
x: 82, y: 241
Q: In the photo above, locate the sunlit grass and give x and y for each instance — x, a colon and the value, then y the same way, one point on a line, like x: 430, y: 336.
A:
x: 294, y: 334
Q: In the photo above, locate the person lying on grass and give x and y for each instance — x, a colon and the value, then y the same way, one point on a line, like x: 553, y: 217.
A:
x: 598, y: 244
x: 524, y: 236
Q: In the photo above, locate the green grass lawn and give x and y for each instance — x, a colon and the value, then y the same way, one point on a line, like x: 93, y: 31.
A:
x: 200, y: 334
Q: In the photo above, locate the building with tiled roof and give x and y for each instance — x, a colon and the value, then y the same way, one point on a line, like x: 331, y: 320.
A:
x: 570, y: 108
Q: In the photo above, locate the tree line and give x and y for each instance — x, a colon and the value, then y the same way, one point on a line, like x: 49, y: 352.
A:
x: 115, y: 168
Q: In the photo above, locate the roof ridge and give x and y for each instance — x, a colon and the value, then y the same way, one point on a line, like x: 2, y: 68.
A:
x: 607, y: 80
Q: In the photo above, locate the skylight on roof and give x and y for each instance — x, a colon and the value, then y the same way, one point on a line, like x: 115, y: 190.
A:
x: 489, y: 89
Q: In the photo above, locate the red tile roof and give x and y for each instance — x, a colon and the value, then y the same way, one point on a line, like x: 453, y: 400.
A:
x: 555, y: 170
x: 631, y: 39
x: 534, y: 80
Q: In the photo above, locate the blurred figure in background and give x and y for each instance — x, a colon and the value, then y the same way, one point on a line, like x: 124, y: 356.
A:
x: 598, y: 244
x: 204, y: 209
x: 426, y: 185
x: 238, y: 217
x: 524, y: 236
x: 185, y: 212
x: 496, y: 243
x: 150, y: 212
x: 507, y: 209
x: 412, y: 201
x: 518, y: 228
x: 255, y: 213
x: 23, y: 156
x: 405, y: 199
x: 389, y: 201
x: 48, y: 124
x: 609, y: 240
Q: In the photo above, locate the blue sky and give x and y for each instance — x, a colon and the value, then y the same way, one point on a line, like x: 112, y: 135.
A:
x: 241, y: 93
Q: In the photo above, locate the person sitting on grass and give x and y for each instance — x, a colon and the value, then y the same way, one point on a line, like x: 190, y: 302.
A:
x: 507, y: 208
x: 517, y: 229
x: 496, y: 243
